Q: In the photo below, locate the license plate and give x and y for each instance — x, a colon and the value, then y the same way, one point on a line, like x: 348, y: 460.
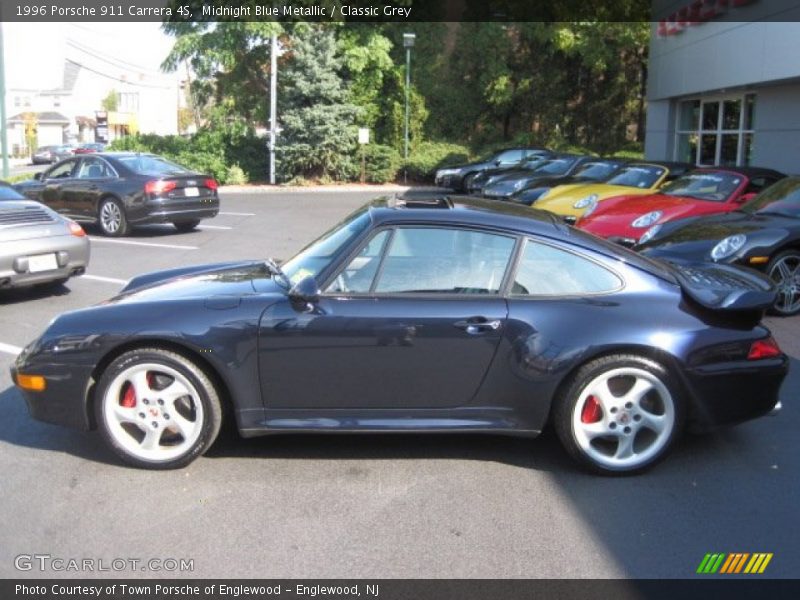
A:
x: 42, y: 262
x: 191, y: 192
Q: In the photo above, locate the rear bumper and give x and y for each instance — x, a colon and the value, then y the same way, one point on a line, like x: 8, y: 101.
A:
x: 730, y: 393
x: 72, y: 257
x: 167, y: 211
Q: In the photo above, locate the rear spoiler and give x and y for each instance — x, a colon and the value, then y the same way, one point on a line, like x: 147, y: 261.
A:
x: 722, y: 287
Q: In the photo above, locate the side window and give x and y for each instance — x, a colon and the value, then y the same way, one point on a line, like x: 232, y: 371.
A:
x: 756, y: 185
x: 454, y: 261
x: 61, y: 171
x: 548, y: 271
x: 93, y: 168
x: 357, y: 276
x: 510, y: 156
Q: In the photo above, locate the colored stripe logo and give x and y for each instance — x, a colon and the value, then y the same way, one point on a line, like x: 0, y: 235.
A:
x: 734, y: 563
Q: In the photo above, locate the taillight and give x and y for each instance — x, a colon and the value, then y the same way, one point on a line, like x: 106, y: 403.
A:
x: 159, y: 186
x: 76, y: 229
x: 766, y: 348
x: 211, y: 184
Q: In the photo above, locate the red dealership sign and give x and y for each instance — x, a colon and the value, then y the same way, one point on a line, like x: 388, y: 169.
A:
x: 695, y: 13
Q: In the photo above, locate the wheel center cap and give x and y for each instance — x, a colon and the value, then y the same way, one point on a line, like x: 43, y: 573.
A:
x: 624, y: 417
x: 154, y: 412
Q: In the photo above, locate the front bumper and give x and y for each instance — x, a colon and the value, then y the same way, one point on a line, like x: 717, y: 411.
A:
x: 730, y: 393
x: 449, y: 181
x: 72, y: 257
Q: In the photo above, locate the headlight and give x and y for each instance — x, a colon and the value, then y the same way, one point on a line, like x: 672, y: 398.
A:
x: 586, y: 202
x: 518, y: 184
x: 647, y: 220
x: 729, y: 246
x: 650, y: 233
x: 445, y: 172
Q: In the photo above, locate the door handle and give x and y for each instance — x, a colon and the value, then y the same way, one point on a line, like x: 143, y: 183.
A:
x: 477, y: 325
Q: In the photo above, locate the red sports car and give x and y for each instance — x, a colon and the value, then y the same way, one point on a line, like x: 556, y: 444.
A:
x: 626, y: 219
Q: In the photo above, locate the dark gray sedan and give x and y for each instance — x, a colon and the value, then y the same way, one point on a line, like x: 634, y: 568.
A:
x: 119, y: 190
x: 37, y: 245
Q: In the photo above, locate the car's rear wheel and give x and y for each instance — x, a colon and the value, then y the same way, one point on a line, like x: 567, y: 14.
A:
x: 784, y: 270
x: 157, y: 409
x: 112, y: 219
x: 186, y: 226
x: 619, y: 414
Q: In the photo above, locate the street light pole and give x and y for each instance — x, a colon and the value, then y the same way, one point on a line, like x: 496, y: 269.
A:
x: 273, y: 105
x: 408, y: 43
x: 3, y: 124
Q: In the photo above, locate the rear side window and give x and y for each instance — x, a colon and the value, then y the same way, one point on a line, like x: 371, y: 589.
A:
x: 545, y: 270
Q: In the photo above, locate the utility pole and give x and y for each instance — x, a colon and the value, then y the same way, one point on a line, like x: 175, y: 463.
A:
x: 408, y: 43
x: 273, y: 105
x: 3, y: 125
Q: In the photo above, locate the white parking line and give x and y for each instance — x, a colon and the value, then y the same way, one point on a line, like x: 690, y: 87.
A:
x: 213, y: 227
x: 149, y: 244
x: 237, y: 214
x: 9, y: 349
x: 106, y: 279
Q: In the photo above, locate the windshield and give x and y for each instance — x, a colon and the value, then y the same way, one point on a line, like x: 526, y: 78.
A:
x: 596, y: 171
x: 783, y: 198
x: 637, y: 176
x: 313, y: 259
x: 151, y: 165
x: 715, y: 186
x: 557, y: 166
x: 533, y: 162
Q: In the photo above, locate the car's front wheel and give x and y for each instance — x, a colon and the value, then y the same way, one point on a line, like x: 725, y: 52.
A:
x: 157, y: 409
x: 619, y: 414
x: 112, y: 218
x: 784, y: 270
x: 186, y: 226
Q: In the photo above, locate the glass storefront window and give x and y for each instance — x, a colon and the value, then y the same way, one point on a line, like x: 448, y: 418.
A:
x: 729, y: 149
x: 710, y: 115
x: 689, y: 114
x: 731, y: 111
x: 716, y: 131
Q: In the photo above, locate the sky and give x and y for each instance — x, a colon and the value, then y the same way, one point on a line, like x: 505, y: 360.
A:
x: 35, y: 52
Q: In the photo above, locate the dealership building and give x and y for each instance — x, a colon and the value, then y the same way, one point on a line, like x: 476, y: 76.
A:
x: 724, y: 83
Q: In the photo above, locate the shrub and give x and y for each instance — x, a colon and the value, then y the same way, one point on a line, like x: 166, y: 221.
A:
x: 381, y: 163
x: 427, y: 157
x: 235, y: 176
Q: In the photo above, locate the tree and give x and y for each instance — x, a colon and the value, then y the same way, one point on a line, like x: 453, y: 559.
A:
x: 111, y: 102
x: 318, y: 120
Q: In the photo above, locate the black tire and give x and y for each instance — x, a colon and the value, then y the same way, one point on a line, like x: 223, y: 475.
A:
x: 781, y: 307
x: 112, y: 218
x: 599, y: 454
x: 186, y: 226
x: 207, y: 425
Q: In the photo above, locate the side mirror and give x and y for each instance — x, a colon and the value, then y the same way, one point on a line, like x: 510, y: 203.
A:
x: 305, y: 290
x: 497, y: 163
x: 37, y: 176
x: 746, y: 197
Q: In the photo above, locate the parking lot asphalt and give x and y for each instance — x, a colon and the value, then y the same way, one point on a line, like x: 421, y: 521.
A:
x: 372, y: 506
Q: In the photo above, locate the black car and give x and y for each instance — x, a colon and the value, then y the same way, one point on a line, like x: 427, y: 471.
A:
x: 119, y: 190
x: 459, y: 177
x: 514, y: 180
x: 763, y: 234
x: 489, y: 176
x: 457, y: 315
x: 596, y: 170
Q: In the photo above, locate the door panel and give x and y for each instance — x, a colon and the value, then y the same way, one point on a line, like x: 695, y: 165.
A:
x: 378, y: 352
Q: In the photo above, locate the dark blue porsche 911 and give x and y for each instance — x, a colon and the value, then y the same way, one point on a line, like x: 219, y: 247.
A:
x: 448, y: 315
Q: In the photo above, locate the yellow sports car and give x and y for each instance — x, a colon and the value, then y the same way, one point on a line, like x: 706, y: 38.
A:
x: 635, y: 179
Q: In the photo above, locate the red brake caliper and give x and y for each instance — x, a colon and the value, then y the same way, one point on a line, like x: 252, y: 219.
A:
x: 591, y: 412
x: 128, y: 397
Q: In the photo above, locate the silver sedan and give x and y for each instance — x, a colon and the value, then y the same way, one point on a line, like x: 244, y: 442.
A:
x: 37, y: 245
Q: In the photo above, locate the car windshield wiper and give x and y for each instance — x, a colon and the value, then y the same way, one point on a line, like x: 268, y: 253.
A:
x: 277, y: 272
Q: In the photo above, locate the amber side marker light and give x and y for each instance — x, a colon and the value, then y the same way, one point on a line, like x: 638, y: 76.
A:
x: 759, y: 260
x: 35, y: 383
x: 76, y: 229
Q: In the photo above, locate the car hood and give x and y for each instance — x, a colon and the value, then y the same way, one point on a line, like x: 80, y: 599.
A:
x: 695, y: 238
x: 672, y: 207
x: 567, y: 195
x: 219, y: 280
